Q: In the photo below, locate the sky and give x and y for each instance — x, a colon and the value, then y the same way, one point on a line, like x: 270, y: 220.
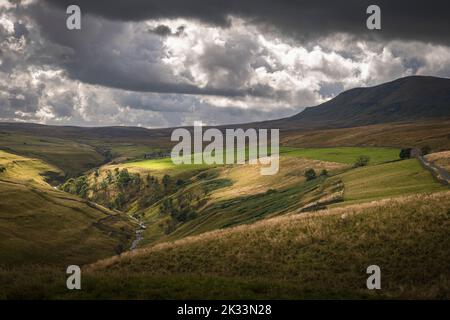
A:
x: 155, y: 63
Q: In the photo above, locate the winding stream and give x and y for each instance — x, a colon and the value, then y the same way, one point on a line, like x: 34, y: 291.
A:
x: 138, y: 238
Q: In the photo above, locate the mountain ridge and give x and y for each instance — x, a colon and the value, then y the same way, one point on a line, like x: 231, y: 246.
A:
x: 405, y: 99
x: 411, y: 98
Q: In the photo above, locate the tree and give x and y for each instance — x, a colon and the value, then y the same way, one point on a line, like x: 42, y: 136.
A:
x: 166, y: 182
x: 166, y: 206
x: 109, y: 176
x: 119, y: 201
x: 405, y: 153
x: 123, y: 178
x: 361, y: 161
x: 310, y: 174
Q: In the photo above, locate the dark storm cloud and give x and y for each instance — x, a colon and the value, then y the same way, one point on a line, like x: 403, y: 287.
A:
x: 116, y: 55
x: 165, y: 31
x: 401, y: 19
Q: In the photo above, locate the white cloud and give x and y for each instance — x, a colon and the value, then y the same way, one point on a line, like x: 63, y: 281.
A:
x: 275, y: 75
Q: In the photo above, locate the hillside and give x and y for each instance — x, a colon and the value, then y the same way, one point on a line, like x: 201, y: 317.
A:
x: 407, y: 99
x: 72, y: 195
x: 41, y: 225
x: 178, y: 201
x: 323, y: 254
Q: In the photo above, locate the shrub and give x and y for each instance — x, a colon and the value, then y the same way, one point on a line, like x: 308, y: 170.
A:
x: 123, y: 178
x: 362, y: 161
x: 310, y: 174
x: 324, y: 173
x: 166, y: 180
x: 2, y: 168
x: 405, y: 153
x: 119, y: 201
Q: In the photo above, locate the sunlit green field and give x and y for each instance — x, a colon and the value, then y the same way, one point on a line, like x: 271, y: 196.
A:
x: 163, y: 166
x: 347, y: 155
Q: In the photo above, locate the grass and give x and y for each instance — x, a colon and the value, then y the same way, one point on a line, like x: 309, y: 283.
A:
x: 226, y: 213
x: 387, y: 180
x: 248, y: 240
x: 23, y: 169
x: 40, y: 225
x: 69, y: 156
x: 442, y: 159
x: 247, y: 179
x: 347, y: 155
x: 433, y: 133
x: 247, y: 200
x: 159, y: 167
x: 318, y: 255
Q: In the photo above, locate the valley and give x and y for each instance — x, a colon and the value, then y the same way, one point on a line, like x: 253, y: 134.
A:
x: 345, y: 197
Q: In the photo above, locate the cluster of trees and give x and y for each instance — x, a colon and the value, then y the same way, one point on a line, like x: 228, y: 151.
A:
x: 361, y: 161
x: 310, y: 174
x: 119, y: 188
x: 180, y: 209
x: 156, y: 189
x: 407, y: 153
x: 78, y: 186
x: 157, y: 154
x: 114, y: 191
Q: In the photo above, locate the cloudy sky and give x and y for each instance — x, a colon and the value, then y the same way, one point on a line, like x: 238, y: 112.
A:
x: 159, y: 63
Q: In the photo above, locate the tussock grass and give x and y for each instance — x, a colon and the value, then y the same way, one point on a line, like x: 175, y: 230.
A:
x: 308, y: 255
x: 247, y: 179
x: 442, y: 159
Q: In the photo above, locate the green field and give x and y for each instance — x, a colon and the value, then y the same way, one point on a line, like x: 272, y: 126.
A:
x: 388, y: 180
x: 163, y: 166
x: 347, y: 155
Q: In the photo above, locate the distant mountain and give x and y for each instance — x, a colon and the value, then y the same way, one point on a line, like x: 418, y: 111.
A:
x: 406, y: 99
x: 414, y: 98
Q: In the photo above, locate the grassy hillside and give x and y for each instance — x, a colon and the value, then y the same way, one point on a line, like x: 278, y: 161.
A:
x: 433, y: 133
x: 442, y: 159
x: 40, y: 225
x: 347, y: 155
x: 387, y: 180
x: 197, y: 198
x: 323, y: 254
x: 226, y: 196
x: 69, y: 156
x: 26, y: 170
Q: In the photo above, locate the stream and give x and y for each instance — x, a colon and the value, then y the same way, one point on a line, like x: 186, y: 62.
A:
x: 138, y: 238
